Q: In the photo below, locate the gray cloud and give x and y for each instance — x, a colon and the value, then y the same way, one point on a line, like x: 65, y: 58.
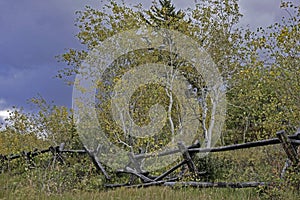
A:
x: 261, y: 13
x: 32, y: 33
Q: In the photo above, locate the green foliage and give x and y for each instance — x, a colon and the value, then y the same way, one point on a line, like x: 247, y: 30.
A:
x: 293, y: 178
x: 19, y: 134
x: 265, y: 93
x: 55, y: 123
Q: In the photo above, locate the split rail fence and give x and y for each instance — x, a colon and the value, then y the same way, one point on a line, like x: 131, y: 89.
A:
x: 290, y: 144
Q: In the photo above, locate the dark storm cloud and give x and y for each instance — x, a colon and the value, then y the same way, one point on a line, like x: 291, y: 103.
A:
x: 32, y: 33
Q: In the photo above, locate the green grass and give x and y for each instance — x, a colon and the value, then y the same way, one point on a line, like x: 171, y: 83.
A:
x: 152, y: 193
x: 259, y: 164
x: 13, y: 188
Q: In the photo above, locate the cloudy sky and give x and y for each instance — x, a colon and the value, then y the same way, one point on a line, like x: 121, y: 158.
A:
x: 33, y: 32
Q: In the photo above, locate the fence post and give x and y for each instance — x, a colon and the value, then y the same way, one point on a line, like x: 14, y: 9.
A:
x: 28, y: 157
x: 96, y: 161
x: 288, y: 147
x: 56, y: 152
x: 3, y: 161
x: 187, y: 157
x: 136, y: 164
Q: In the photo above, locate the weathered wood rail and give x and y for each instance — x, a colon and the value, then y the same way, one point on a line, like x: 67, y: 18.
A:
x: 56, y: 152
x: 289, y: 144
x: 294, y: 139
x: 171, y: 183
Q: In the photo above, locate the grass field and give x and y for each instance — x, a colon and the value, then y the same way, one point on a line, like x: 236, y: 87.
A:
x: 153, y: 193
x: 259, y: 164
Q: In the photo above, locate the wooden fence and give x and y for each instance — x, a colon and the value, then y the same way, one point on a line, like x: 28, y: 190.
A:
x: 290, y: 145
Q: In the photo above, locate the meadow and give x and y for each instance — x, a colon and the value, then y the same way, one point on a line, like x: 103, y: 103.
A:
x: 62, y: 182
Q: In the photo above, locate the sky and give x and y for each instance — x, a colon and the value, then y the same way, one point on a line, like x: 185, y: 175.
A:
x: 33, y: 32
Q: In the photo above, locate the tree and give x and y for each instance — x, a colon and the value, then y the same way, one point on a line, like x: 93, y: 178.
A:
x: 19, y: 134
x: 210, y: 23
x: 48, y: 125
x: 265, y: 96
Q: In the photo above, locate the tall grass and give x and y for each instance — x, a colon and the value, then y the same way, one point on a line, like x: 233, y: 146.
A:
x: 60, y: 182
